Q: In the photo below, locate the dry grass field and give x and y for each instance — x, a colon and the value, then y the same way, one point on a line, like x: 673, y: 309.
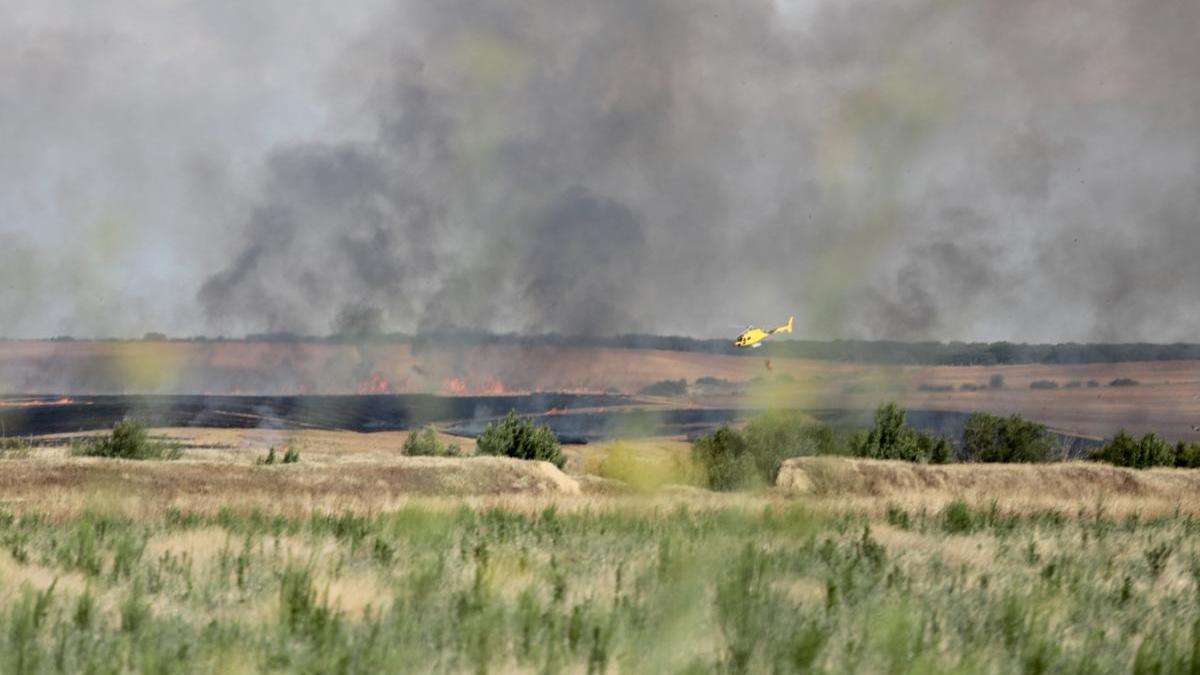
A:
x: 873, y: 485
x: 357, y: 559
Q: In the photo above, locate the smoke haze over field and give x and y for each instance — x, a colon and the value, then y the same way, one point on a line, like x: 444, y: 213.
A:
x: 1022, y: 170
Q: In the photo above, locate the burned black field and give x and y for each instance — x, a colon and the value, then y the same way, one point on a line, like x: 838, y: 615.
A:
x: 34, y: 416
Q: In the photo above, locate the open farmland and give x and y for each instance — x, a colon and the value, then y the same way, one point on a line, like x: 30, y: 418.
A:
x: 1166, y: 399
x: 359, y: 560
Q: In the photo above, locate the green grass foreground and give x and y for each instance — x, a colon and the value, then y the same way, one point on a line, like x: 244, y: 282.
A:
x: 640, y: 587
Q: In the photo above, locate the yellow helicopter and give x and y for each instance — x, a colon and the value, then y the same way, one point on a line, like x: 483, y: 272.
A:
x: 753, y: 337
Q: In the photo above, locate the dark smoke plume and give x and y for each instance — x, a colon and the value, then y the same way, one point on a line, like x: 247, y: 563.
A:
x: 1020, y: 170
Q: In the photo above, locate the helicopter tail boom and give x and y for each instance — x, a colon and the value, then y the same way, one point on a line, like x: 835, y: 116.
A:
x: 786, y: 328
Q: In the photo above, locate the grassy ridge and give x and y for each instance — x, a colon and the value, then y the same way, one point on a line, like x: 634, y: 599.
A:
x: 629, y: 586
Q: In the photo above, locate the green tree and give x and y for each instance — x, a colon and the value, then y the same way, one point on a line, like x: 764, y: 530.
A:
x: 988, y: 438
x: 1124, y: 450
x: 1187, y: 455
x: 890, y: 438
x: 519, y: 438
x: 887, y: 439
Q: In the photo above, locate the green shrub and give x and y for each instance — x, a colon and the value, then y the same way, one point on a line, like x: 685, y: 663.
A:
x: 425, y: 443
x: 270, y: 458
x: 957, y: 518
x: 128, y: 440
x: 988, y: 438
x: 1043, y: 384
x: 996, y: 382
x: 889, y: 438
x: 1124, y: 382
x: 291, y: 456
x: 1124, y: 450
x: 518, y: 437
x: 725, y: 460
x: 15, y: 447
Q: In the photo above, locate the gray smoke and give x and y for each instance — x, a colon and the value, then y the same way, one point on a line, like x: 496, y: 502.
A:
x: 1022, y: 170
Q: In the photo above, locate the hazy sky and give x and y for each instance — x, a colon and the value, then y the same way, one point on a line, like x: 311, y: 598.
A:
x: 1009, y: 169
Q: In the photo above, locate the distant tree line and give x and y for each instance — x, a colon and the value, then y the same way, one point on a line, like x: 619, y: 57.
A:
x: 863, y: 351
x: 665, y: 388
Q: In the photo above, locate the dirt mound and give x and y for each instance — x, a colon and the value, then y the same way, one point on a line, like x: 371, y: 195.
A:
x: 188, y: 482
x: 1070, y: 480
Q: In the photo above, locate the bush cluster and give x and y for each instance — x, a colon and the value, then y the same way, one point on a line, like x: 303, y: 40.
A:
x: 519, y: 438
x: 988, y: 438
x: 1149, y: 451
x: 774, y: 437
x: 425, y: 443
x: 730, y: 459
x: 128, y: 440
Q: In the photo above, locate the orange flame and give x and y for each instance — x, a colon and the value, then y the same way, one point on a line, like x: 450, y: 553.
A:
x: 376, y: 384
x: 30, y: 403
x: 457, y: 386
